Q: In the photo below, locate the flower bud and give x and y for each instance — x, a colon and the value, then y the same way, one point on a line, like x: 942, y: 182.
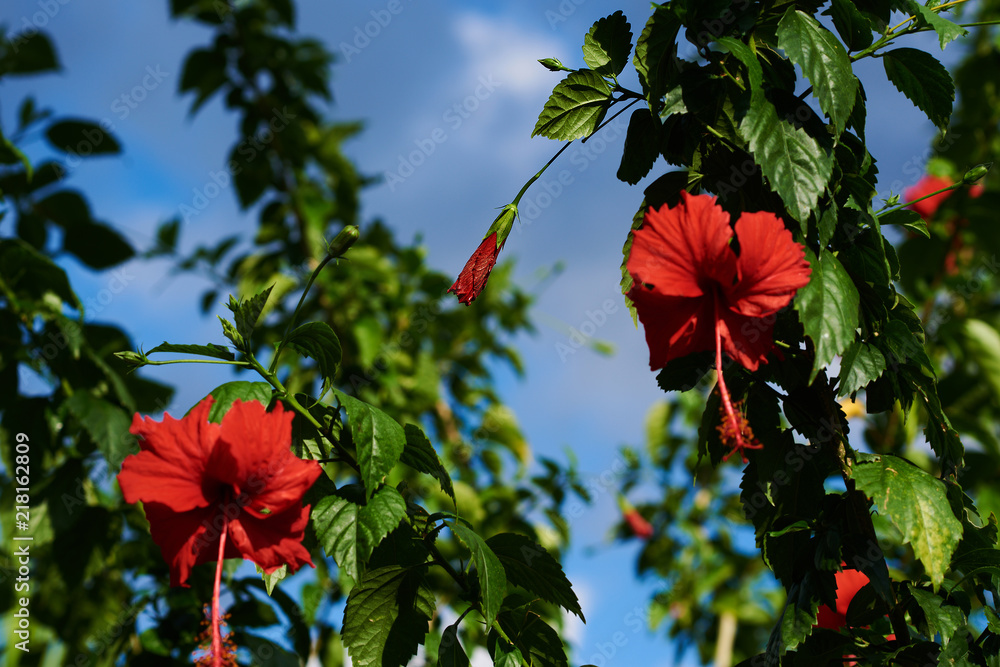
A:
x: 976, y: 173
x: 554, y: 65
x: 344, y: 240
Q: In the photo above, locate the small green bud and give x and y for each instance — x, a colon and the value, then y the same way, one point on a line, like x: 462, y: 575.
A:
x: 554, y: 65
x: 976, y: 173
x: 344, y: 240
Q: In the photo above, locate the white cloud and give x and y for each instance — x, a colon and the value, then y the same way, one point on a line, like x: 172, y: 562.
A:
x: 506, y: 50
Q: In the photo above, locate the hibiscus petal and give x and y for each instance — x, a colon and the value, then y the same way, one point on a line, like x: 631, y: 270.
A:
x: 674, y: 326
x: 274, y: 540
x: 472, y: 280
x: 169, y: 468
x: 186, y: 539
x: 747, y: 340
x: 254, y: 457
x: 772, y: 267
x: 678, y: 250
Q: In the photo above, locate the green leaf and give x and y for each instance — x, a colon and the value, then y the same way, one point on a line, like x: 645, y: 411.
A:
x: 271, y: 580
x: 450, y: 651
x: 105, y: 423
x: 851, y: 24
x: 506, y: 655
x: 536, y: 640
x: 793, y: 162
x: 925, y: 82
x: 531, y: 567
x: 685, y: 373
x: 489, y: 570
x: 28, y: 273
x: 318, y: 341
x: 797, y: 619
x: 918, y: 505
x: 246, y: 313
x: 349, y: 532
x: 939, y: 617
x: 905, y: 346
x: 378, y: 438
x: 641, y: 146
x: 982, y: 347
x: 32, y: 53
x: 97, y: 245
x: 211, y: 350
x: 827, y: 308
x: 862, y: 363
x: 575, y: 108
x: 907, y: 219
x: 607, y: 46
x: 824, y: 62
x: 227, y: 394
x: 419, y: 454
x: 82, y: 138
x: 654, y: 55
x: 204, y: 73
x: 386, y: 616
x: 945, y: 29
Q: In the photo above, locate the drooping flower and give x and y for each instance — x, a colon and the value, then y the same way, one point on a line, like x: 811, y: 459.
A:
x: 640, y: 527
x: 693, y: 292
x: 636, y: 523
x: 472, y: 280
x: 201, y: 482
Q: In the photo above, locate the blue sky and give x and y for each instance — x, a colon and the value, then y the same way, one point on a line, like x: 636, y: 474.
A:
x: 404, y: 83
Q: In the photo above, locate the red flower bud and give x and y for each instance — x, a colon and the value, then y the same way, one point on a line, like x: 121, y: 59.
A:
x: 472, y: 279
x: 640, y: 527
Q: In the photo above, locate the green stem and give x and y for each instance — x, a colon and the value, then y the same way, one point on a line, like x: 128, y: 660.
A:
x: 295, y: 314
x: 955, y: 186
x: 196, y: 361
x: 540, y: 172
x: 559, y: 152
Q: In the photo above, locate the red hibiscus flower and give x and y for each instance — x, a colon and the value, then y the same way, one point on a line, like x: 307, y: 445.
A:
x: 849, y: 582
x: 693, y: 292
x: 928, y: 184
x: 472, y: 279
x: 201, y: 481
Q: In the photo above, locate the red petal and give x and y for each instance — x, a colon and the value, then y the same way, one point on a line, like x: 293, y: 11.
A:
x: 472, y: 280
x: 170, y: 467
x: 186, y: 539
x: 747, y: 340
x: 273, y: 540
x: 675, y: 326
x: 772, y: 267
x: 678, y: 249
x: 254, y: 457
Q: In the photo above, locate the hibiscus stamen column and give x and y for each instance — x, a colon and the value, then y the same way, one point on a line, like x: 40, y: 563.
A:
x: 216, y: 612
x: 732, y: 429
